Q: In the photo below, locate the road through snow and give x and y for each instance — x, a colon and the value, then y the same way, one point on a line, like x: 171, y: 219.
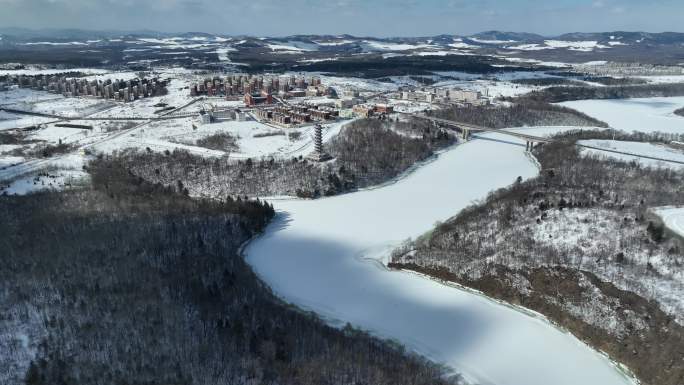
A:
x: 326, y: 255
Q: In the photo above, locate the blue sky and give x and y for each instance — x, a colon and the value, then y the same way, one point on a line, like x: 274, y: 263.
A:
x: 357, y: 17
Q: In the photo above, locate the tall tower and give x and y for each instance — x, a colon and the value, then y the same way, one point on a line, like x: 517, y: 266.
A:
x: 318, y: 154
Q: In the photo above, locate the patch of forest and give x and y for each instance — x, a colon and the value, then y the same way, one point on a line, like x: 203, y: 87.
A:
x: 565, y: 93
x: 222, y: 141
x: 549, y: 81
x: 580, y: 244
x: 367, y: 152
x: 520, y: 113
x: 135, y: 283
x: 605, y: 80
x: 680, y: 111
x: 376, y: 66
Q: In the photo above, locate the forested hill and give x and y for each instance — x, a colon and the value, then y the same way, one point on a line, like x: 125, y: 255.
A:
x: 134, y: 283
x: 579, y: 243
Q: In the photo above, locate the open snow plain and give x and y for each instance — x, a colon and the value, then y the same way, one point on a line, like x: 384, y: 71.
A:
x: 327, y: 256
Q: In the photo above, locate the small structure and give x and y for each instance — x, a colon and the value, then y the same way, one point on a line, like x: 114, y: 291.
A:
x: 318, y: 155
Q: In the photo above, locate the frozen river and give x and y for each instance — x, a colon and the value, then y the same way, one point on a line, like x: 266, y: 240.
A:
x: 325, y: 255
x: 639, y: 114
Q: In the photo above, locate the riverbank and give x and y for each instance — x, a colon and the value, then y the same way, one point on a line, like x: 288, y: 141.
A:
x: 315, y: 254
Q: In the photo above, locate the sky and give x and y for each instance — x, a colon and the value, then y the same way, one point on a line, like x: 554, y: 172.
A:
x: 356, y: 17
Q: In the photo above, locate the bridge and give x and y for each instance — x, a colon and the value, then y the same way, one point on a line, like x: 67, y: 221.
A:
x: 466, y: 129
x: 531, y: 140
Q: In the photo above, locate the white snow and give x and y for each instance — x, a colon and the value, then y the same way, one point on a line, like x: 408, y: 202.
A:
x: 53, y: 71
x: 56, y: 43
x: 326, y: 255
x: 52, y: 181
x: 660, y: 79
x: 285, y: 47
x: 223, y: 53
x: 459, y: 43
x: 491, y: 41
x: 673, y: 217
x: 637, y: 148
x: 643, y: 114
x: 439, y: 53
x: 530, y: 47
x: 334, y: 43
x: 583, y: 46
x: 388, y: 46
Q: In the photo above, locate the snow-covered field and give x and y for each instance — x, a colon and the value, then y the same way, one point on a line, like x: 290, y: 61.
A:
x: 252, y: 138
x: 52, y: 181
x: 640, y: 114
x: 673, y: 217
x: 327, y: 255
x: 638, y: 148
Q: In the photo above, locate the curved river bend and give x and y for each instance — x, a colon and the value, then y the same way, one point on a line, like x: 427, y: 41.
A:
x: 319, y: 255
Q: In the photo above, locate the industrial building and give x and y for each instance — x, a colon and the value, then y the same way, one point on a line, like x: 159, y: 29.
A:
x: 216, y: 115
x: 443, y: 95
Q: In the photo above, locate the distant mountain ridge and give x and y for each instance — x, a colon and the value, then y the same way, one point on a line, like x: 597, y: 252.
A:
x: 21, y: 34
x: 143, y: 48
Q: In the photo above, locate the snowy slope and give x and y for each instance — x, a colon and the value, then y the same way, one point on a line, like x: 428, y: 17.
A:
x: 325, y: 255
x: 637, y: 148
x: 673, y: 218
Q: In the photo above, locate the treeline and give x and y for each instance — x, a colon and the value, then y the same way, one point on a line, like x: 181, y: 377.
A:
x: 366, y: 152
x: 520, y: 113
x: 373, y: 151
x: 545, y: 82
x: 579, y: 244
x: 222, y: 141
x: 635, y: 136
x: 575, y: 79
x: 564, y: 93
x: 135, y: 283
x: 605, y: 80
x: 376, y: 66
x: 611, y: 81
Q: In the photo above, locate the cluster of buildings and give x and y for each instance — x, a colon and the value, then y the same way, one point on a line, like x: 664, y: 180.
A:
x: 367, y: 111
x: 297, y: 114
x: 259, y: 89
x: 444, y: 95
x: 120, y: 90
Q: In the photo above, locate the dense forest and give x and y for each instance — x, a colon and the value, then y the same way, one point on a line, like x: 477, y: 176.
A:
x: 367, y: 152
x: 605, y: 80
x: 580, y: 244
x: 575, y: 79
x: 568, y: 93
x: 521, y: 113
x: 547, y: 81
x: 133, y: 283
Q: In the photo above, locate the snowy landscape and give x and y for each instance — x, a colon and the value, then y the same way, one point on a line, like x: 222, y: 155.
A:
x: 496, y: 208
x: 341, y: 263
